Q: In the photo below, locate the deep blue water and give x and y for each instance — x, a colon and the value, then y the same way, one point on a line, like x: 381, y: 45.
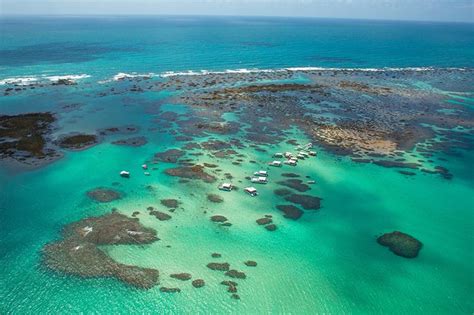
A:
x: 103, y: 46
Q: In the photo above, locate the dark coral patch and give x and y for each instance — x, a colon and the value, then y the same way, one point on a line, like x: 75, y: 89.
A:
x: 290, y: 211
x: 218, y: 266
x: 169, y: 156
x: 295, y: 184
x: 104, y: 194
x: 401, y: 244
x: 195, y: 172
x: 305, y: 201
x: 132, y: 142
x: 215, y: 198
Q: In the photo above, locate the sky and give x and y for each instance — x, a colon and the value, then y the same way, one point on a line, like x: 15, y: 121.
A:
x: 422, y: 10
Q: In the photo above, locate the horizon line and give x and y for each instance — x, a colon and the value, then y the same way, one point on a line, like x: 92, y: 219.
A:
x: 72, y: 15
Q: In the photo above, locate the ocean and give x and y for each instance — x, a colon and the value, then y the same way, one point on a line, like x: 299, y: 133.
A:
x: 149, y: 73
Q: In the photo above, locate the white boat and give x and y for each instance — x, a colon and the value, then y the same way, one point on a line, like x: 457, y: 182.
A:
x: 261, y: 173
x: 303, y: 153
x: 291, y: 162
x: 145, y: 167
x: 125, y: 174
x: 312, y: 153
x: 259, y: 180
x: 147, y: 173
x: 251, y: 191
x: 278, y: 155
x: 226, y: 187
x: 288, y: 155
x: 311, y: 182
x: 300, y: 156
x: 275, y: 163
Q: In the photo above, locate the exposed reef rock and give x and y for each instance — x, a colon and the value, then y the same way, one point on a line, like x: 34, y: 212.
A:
x: 78, y: 253
x: 305, y: 201
x: 401, y: 244
x: 24, y: 137
x: 290, y: 211
x: 104, y: 194
x: 77, y: 141
x: 195, y: 172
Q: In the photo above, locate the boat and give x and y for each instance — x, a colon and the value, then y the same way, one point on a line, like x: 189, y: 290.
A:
x: 125, y: 174
x: 145, y: 167
x: 261, y: 173
x: 275, y: 163
x: 311, y: 182
x: 147, y: 173
x: 226, y: 187
x: 291, y: 162
x: 259, y: 180
x: 278, y: 155
x: 312, y: 153
x: 300, y: 156
x: 288, y: 155
x: 251, y: 191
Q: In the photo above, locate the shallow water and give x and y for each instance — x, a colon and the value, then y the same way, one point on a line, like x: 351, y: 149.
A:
x: 328, y: 261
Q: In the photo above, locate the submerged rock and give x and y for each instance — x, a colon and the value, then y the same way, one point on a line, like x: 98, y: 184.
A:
x: 218, y: 218
x: 170, y: 203
x: 195, y: 172
x: 170, y: 290
x: 132, y: 142
x: 296, y: 184
x: 169, y: 156
x: 160, y: 215
x: 305, y: 201
x: 401, y: 244
x: 103, y: 194
x: 218, y: 266
x: 290, y: 211
x: 214, y: 198
x: 263, y: 221
x: 198, y: 283
x: 250, y: 263
x: 271, y: 227
x: 282, y: 192
x: 181, y: 276
x: 78, y: 252
x: 216, y: 255
x: 235, y: 274
x: 231, y: 286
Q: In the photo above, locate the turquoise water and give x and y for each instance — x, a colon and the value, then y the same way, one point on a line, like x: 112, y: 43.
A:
x: 326, y: 262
